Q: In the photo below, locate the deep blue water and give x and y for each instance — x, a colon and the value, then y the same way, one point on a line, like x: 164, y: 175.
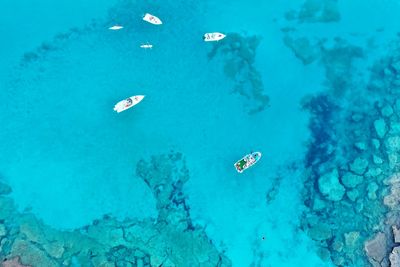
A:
x: 70, y: 159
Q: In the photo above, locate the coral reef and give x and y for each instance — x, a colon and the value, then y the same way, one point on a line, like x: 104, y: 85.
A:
x: 170, y: 240
x: 240, y: 52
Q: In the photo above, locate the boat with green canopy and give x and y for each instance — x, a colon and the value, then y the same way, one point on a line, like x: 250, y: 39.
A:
x: 247, y: 161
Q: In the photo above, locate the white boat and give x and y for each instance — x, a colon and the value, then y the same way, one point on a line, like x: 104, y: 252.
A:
x: 128, y: 103
x: 247, y: 161
x: 115, y: 28
x: 152, y: 19
x: 146, y: 46
x: 213, y: 36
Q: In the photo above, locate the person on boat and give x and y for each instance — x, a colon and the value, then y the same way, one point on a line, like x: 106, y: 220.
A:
x: 153, y: 19
x: 129, y: 102
x: 251, y: 160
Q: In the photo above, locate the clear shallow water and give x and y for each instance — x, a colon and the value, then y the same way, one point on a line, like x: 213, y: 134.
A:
x: 70, y: 159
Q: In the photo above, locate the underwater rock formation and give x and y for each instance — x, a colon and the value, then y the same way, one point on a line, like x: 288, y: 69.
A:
x: 337, y: 59
x: 303, y: 48
x: 354, y: 148
x: 376, y: 249
x: 321, y: 146
x: 14, y: 262
x: 313, y: 11
x: 392, y: 199
x: 56, y: 43
x: 330, y: 187
x: 4, y: 189
x: 240, y: 53
x: 271, y: 194
x: 352, y: 189
x: 395, y: 257
x: 170, y: 240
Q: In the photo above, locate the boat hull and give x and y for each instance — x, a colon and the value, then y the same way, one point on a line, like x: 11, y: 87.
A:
x: 247, y: 161
x: 213, y: 36
x: 146, y: 46
x: 152, y: 19
x: 128, y: 103
x: 116, y: 28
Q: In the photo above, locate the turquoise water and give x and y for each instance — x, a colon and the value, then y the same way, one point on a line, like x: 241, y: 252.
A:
x: 69, y: 159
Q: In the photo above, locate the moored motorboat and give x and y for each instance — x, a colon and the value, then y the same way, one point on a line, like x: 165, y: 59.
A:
x: 247, y: 161
x: 115, y: 27
x: 213, y: 36
x: 128, y: 103
x: 152, y: 19
x: 146, y: 46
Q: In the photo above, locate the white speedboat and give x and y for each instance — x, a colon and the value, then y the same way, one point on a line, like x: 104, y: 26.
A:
x: 213, y: 36
x: 146, y: 46
x: 115, y: 28
x: 247, y: 161
x: 152, y: 19
x: 128, y: 103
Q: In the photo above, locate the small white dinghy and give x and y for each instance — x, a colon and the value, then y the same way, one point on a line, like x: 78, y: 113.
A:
x: 115, y: 28
x: 128, y: 103
x: 213, y: 36
x: 146, y: 46
x: 152, y: 19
